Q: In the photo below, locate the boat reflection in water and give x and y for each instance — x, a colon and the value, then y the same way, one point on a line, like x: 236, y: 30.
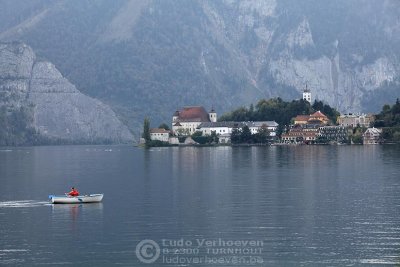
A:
x: 77, y: 214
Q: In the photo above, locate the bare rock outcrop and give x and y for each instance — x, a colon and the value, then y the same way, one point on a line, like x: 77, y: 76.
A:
x: 60, y: 111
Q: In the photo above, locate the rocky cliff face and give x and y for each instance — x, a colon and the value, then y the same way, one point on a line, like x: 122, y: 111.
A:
x: 60, y: 111
x: 341, y: 60
x: 148, y: 58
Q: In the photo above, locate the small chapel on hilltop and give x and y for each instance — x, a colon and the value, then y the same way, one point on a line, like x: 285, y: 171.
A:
x: 307, y: 94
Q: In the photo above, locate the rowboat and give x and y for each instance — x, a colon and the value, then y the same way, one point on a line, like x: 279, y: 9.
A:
x: 92, y: 198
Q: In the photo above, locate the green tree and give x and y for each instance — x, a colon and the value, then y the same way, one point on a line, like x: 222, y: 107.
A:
x: 387, y: 133
x: 396, y: 136
x: 389, y: 116
x: 274, y: 109
x: 3, y: 126
x: 199, y: 138
x: 183, y: 132
x: 164, y: 126
x: 357, y: 139
x: 245, y: 135
x: 235, y: 136
x: 197, y: 134
x: 330, y: 112
x: 263, y: 135
x: 251, y: 112
x: 16, y: 127
x: 321, y: 140
x: 214, y: 137
x: 240, y: 114
x: 146, y: 130
x: 207, y: 139
x: 386, y: 109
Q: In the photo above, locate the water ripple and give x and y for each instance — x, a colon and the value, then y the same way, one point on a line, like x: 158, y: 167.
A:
x: 23, y: 204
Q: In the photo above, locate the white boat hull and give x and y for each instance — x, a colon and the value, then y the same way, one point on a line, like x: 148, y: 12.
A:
x: 92, y: 198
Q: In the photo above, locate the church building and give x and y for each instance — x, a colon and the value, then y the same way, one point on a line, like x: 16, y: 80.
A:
x: 185, y: 121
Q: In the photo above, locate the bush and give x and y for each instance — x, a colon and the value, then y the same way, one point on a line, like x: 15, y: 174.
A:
x: 396, y: 136
x: 156, y: 143
x: 202, y: 140
x: 207, y: 139
x: 357, y: 139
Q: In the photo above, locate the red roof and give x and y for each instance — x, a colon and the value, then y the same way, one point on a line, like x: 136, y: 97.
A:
x: 318, y: 114
x: 302, y: 118
x: 195, y: 114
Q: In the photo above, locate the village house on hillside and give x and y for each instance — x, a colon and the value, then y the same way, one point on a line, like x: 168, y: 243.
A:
x: 372, y: 136
x: 309, y: 129
x: 305, y: 128
x: 338, y: 134
x: 301, y: 133
x: 315, y: 118
x: 354, y: 120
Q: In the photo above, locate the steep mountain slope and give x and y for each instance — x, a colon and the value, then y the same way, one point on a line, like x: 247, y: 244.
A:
x: 152, y: 57
x: 59, y: 110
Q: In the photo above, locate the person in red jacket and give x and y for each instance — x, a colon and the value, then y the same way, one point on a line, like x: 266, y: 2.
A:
x: 73, y: 193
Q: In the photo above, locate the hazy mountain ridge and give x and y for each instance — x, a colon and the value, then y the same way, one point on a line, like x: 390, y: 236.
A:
x: 59, y: 110
x: 152, y: 57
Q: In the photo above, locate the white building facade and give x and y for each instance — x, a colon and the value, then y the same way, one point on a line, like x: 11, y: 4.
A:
x: 186, y: 121
x: 220, y: 128
x: 256, y: 126
x: 224, y: 128
x: 307, y: 95
x: 159, y: 134
x: 372, y: 136
x: 352, y: 120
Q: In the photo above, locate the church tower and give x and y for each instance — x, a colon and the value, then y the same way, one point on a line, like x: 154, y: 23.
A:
x: 213, y: 115
x: 307, y: 94
x: 175, y: 116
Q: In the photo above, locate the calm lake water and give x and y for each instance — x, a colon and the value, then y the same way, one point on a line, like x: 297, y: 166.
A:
x: 214, y: 206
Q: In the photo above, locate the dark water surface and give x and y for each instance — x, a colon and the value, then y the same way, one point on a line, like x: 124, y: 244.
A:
x: 300, y: 206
